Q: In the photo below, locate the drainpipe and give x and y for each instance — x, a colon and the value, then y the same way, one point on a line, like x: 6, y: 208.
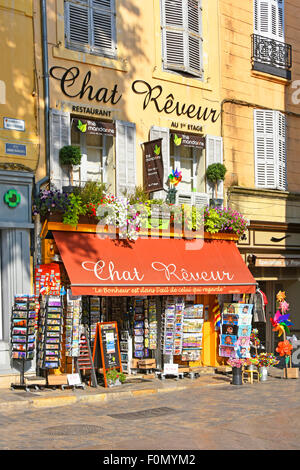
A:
x: 46, y: 94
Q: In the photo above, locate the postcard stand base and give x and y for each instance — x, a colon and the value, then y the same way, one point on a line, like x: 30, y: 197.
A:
x: 22, y: 385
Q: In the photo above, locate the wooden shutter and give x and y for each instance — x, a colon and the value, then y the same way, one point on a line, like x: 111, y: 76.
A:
x: 77, y: 24
x: 214, y: 154
x: 103, y: 26
x: 269, y: 18
x: 182, y: 43
x: 265, y: 149
x: 60, y: 135
x: 164, y: 134
x: 125, y: 157
x: 281, y: 152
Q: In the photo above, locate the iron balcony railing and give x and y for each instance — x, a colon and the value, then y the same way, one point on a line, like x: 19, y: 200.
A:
x: 271, y: 52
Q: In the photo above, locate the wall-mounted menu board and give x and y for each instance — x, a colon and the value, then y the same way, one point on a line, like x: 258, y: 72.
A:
x: 106, y: 353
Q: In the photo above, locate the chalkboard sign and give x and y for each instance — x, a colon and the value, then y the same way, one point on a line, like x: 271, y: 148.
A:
x: 106, y: 353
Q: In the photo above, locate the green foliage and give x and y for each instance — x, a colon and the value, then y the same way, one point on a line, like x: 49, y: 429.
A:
x: 216, y: 172
x: 70, y: 155
x: 113, y: 374
x: 74, y: 209
x: 93, y: 192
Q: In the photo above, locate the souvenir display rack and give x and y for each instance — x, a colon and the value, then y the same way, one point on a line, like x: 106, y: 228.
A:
x: 73, y: 314
x: 23, y: 334
x: 192, y: 332
x: 50, y: 332
x: 140, y: 328
x: 126, y: 351
x: 235, y: 330
x: 92, y: 313
x: 172, y: 322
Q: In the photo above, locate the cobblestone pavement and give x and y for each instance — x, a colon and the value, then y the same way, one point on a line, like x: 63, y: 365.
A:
x: 259, y: 416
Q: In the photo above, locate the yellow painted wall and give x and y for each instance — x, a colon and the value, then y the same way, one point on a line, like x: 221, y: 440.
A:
x: 139, y: 58
x: 239, y: 82
x: 18, y: 80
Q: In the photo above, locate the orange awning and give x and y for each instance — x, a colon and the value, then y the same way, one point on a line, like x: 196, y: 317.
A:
x: 152, y: 266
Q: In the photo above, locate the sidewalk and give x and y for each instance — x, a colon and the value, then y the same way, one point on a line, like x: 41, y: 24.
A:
x: 13, y: 400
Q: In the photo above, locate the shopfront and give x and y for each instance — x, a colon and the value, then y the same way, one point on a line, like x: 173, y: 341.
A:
x: 162, y: 292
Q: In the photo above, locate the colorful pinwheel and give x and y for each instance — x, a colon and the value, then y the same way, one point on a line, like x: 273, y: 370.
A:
x: 281, y: 323
x: 280, y: 296
x: 175, y: 177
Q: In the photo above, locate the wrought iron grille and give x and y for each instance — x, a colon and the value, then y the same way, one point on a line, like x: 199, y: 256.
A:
x: 271, y: 52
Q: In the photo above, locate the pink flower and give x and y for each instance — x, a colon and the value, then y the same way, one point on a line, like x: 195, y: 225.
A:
x: 284, y: 306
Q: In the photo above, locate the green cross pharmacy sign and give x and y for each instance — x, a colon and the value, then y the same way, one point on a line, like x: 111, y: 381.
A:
x: 12, y: 198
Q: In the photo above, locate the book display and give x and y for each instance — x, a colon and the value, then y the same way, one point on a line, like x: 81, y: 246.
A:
x: 50, y: 332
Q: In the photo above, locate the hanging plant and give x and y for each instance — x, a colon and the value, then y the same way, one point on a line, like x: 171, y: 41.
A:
x: 70, y: 156
x: 215, y: 173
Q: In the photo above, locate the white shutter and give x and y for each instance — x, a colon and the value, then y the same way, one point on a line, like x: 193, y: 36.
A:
x: 77, y: 24
x: 194, y: 37
x: 164, y: 134
x: 181, y: 33
x: 281, y: 151
x: 125, y: 157
x: 200, y: 199
x: 103, y: 27
x: 60, y: 135
x: 265, y: 149
x: 214, y: 154
x: 269, y: 18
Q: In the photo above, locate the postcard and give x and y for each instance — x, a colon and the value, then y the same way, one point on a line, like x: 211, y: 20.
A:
x: 225, y: 351
x: 231, y: 308
x: 244, y: 330
x: 245, y: 308
x: 228, y: 340
x: 228, y: 329
x: 230, y: 319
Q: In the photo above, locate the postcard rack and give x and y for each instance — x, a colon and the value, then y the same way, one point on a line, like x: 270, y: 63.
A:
x: 23, y: 336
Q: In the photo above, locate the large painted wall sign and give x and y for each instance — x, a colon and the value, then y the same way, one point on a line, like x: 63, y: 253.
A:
x: 74, y: 86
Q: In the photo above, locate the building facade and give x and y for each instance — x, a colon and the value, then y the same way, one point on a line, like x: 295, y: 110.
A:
x: 260, y: 129
x: 20, y: 155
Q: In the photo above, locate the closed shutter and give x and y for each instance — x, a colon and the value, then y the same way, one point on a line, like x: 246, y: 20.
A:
x: 60, y: 135
x: 182, y: 42
x: 90, y: 26
x: 270, y: 149
x: 214, y: 154
x: 269, y: 18
x: 281, y: 133
x: 103, y: 27
x: 200, y: 199
x: 77, y: 25
x: 125, y: 157
x: 164, y: 134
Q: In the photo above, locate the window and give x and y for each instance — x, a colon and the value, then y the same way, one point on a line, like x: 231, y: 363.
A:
x: 270, y: 149
x: 181, y: 36
x: 97, y: 158
x: 90, y: 26
x: 269, y: 18
x: 190, y: 161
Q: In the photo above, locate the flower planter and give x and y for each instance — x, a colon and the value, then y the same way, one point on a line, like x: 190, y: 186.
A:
x: 111, y: 383
x: 237, y: 376
x: 251, y: 367
x: 263, y: 374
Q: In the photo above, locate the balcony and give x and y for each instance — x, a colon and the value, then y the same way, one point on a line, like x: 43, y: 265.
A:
x: 271, y: 56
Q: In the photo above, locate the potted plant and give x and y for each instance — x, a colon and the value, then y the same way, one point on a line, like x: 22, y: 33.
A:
x: 251, y: 363
x: 114, y: 377
x: 237, y: 365
x: 215, y: 173
x: 265, y: 360
x: 70, y: 155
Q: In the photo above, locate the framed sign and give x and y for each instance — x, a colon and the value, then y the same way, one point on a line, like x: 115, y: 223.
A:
x: 106, y: 353
x: 153, y: 166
